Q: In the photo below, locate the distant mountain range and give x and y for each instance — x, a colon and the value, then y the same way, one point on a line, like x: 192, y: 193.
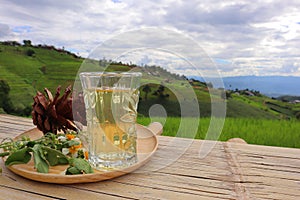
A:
x: 272, y: 86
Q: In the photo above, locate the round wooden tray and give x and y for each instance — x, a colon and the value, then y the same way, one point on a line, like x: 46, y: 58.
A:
x: 146, y: 146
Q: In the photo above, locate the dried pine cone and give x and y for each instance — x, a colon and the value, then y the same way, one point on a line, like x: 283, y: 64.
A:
x: 53, y: 114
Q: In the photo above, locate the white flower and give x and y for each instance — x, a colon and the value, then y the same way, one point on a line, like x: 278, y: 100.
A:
x: 65, y: 151
x: 77, y: 139
x: 62, y: 138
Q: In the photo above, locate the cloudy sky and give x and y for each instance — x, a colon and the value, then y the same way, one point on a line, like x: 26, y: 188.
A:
x: 252, y: 37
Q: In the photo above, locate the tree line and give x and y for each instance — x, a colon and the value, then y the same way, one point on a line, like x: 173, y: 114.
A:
x: 30, y: 52
x: 6, y: 105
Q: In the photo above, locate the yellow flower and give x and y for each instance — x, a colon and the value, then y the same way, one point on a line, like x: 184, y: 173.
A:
x: 73, y: 149
x: 86, y: 155
x: 70, y: 136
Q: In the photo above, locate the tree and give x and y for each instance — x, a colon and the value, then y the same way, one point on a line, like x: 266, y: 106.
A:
x: 4, y: 88
x: 30, y: 52
x: 298, y: 115
x: 27, y: 43
x: 146, y: 89
x: 5, y: 101
x: 160, y: 92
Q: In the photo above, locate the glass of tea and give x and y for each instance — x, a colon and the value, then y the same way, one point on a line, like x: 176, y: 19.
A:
x: 111, y: 100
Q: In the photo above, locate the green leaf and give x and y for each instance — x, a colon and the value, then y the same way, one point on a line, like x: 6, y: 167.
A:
x: 4, y: 154
x: 42, y: 153
x: 21, y: 156
x: 71, y: 143
x: 42, y: 167
x: 82, y: 166
x: 59, y: 147
x: 39, y: 162
x: 55, y: 157
x: 31, y: 143
x: 72, y: 171
x: 63, y: 161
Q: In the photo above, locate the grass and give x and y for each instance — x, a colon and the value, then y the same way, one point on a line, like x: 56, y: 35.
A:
x: 50, y: 68
x: 24, y: 75
x: 256, y: 119
x: 283, y: 133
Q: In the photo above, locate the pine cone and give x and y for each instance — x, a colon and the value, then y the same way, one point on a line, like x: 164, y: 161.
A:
x: 53, y: 114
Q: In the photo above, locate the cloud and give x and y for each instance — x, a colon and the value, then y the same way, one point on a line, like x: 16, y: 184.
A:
x: 4, y: 30
x: 253, y: 37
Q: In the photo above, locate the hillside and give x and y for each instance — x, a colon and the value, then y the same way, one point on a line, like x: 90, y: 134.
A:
x: 24, y: 69
x: 26, y: 73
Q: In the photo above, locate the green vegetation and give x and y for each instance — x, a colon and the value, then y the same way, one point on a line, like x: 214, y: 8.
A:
x: 282, y: 133
x: 49, y: 150
x: 26, y: 69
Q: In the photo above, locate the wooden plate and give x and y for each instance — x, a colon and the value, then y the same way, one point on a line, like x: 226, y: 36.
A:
x: 146, y: 146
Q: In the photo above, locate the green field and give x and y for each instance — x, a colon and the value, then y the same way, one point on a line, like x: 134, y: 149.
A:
x: 27, y: 74
x: 282, y: 133
x: 257, y: 119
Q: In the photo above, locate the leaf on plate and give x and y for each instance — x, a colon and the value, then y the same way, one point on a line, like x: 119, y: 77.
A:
x: 4, y: 154
x: 79, y: 166
x: 39, y: 159
x: 21, y: 156
x: 72, y: 171
x: 54, y: 157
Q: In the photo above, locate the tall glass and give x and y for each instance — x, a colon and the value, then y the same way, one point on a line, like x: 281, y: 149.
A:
x: 111, y: 100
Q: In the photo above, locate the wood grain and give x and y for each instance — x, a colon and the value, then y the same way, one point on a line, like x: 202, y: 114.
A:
x: 229, y: 171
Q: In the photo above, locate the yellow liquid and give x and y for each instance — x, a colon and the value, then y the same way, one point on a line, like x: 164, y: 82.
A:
x: 111, y: 117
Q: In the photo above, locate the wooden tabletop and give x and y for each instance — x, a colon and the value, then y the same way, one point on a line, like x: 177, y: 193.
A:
x: 176, y: 171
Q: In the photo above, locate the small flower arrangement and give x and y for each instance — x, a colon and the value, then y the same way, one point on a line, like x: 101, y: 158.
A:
x: 51, y: 114
x: 49, y: 150
x: 76, y: 150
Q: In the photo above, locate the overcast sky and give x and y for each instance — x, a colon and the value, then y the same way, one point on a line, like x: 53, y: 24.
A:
x: 253, y: 37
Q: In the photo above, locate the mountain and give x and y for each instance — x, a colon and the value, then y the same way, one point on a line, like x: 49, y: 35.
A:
x: 24, y: 69
x: 272, y: 86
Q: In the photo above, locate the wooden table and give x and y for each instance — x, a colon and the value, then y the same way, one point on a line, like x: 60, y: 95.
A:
x: 229, y: 171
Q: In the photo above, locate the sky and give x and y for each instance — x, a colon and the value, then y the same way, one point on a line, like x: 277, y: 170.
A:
x: 253, y: 37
